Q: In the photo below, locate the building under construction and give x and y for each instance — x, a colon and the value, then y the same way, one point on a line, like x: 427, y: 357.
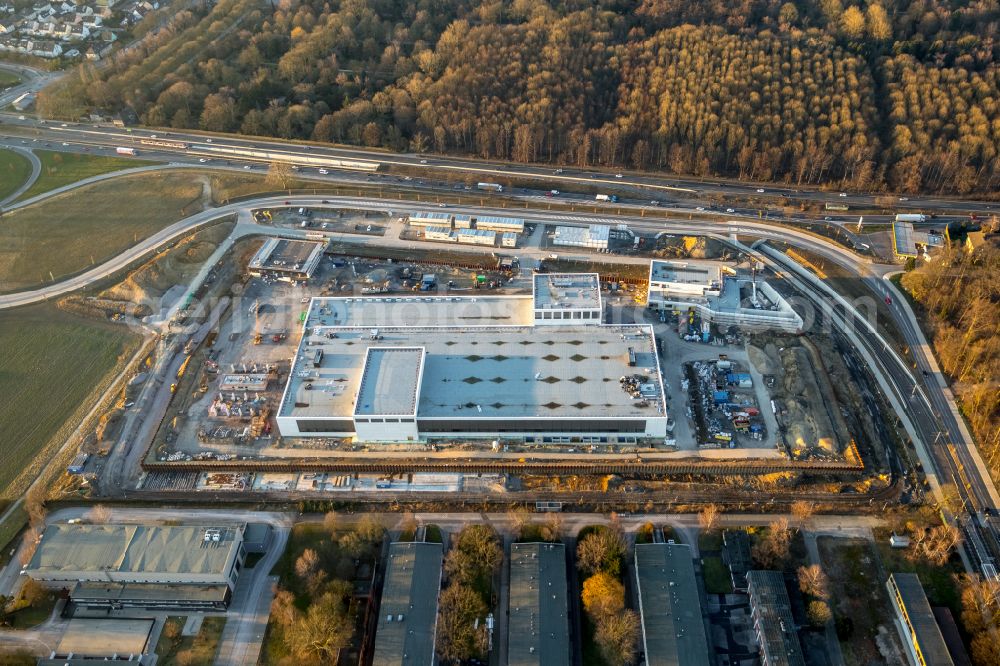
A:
x: 287, y: 260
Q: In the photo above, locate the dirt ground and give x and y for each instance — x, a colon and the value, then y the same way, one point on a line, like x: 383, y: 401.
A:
x: 807, y: 407
x: 689, y: 247
x: 150, y: 281
x: 858, y: 596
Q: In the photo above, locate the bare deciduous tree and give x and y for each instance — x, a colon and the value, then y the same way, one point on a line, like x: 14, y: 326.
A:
x: 708, y: 517
x: 814, y: 581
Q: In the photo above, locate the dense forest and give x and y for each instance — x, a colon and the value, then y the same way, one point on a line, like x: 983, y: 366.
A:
x: 899, y: 95
x: 960, y: 292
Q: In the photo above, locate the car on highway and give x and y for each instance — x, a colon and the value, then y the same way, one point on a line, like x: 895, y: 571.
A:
x: 700, y: 208
x: 760, y: 190
x: 208, y: 141
x: 888, y: 300
x: 20, y: 117
x: 842, y: 194
x: 423, y: 161
x: 654, y: 202
x: 247, y: 166
x: 558, y: 171
x: 618, y: 175
x: 324, y: 171
x: 202, y: 160
x: 904, y: 198
x: 64, y: 143
x: 64, y: 125
x: 442, y: 205
x: 730, y: 210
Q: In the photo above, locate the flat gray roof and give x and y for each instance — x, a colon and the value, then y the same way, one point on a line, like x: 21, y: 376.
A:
x: 421, y: 311
x: 685, y: 272
x: 103, y: 637
x: 151, y: 592
x: 408, y: 612
x: 390, y: 381
x: 670, y: 606
x: 910, y: 597
x: 145, y: 549
x: 474, y: 372
x: 567, y: 291
x: 538, y: 626
x: 903, y: 241
x: 579, y: 235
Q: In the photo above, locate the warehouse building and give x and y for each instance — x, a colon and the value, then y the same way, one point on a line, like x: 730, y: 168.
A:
x: 419, y: 368
x: 919, y: 631
x: 430, y: 219
x: 407, y: 620
x: 286, y: 260
x: 595, y: 236
x: 141, y: 566
x: 538, y: 613
x: 508, y: 239
x: 463, y: 221
x: 771, y: 611
x: 673, y: 631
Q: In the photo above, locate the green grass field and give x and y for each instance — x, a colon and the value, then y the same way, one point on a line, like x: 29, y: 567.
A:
x: 14, y: 170
x: 50, y: 364
x: 60, y: 169
x: 716, y: 576
x: 8, y: 79
x: 67, y: 234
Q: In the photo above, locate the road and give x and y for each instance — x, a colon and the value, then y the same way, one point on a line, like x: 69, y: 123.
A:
x: 753, y: 196
x: 397, y: 207
x: 937, y: 392
x: 247, y: 615
x: 924, y: 405
x: 939, y: 417
x: 36, y: 169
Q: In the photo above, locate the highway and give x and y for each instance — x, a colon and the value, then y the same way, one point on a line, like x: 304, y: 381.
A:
x: 205, y: 146
x: 936, y: 425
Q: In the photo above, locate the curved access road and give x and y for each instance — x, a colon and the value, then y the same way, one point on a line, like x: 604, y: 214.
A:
x: 185, y: 226
x: 36, y: 171
x: 80, y: 183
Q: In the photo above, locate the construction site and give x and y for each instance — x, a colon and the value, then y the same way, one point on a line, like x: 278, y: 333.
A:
x: 502, y: 369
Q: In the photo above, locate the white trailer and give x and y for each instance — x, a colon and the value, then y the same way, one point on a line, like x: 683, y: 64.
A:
x: 911, y: 217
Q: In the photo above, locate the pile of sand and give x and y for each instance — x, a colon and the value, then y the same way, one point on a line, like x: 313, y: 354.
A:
x: 797, y: 390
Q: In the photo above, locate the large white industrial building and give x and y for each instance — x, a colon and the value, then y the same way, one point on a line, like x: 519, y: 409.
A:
x: 540, y: 367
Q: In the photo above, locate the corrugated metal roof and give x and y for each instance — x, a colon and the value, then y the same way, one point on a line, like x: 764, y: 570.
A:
x: 140, y: 549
